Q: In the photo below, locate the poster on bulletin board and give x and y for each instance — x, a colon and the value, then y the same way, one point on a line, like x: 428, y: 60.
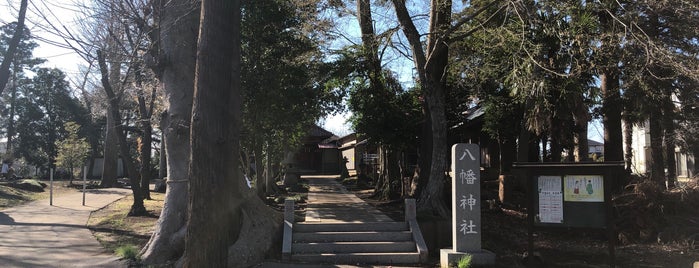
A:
x: 583, y: 188
x: 550, y: 199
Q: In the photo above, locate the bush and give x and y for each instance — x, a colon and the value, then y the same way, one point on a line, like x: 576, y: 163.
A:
x: 30, y: 185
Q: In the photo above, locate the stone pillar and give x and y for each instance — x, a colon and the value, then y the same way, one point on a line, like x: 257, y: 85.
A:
x: 287, y: 239
x: 466, y: 208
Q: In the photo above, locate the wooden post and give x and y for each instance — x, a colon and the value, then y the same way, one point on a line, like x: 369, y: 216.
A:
x: 84, y: 183
x: 51, y: 187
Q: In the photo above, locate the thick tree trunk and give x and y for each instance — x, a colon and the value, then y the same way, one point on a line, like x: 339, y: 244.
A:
x: 389, y: 174
x: 424, y: 153
x: 145, y: 159
x: 215, y: 194
x: 9, y: 55
x: 432, y: 197
x: 110, y: 161
x: 260, y: 231
x: 178, y: 36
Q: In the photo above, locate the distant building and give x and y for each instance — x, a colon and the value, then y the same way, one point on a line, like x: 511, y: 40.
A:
x: 641, y: 154
x: 318, y: 154
x: 595, y: 147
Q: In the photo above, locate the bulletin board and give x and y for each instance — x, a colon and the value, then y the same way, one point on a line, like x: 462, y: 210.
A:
x: 570, y: 196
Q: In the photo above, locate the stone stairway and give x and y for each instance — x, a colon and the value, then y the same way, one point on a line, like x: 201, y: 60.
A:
x: 352, y: 243
x: 340, y: 228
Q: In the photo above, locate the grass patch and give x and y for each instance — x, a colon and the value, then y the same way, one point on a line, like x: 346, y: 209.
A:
x: 11, y: 196
x: 129, y: 252
x: 117, y: 231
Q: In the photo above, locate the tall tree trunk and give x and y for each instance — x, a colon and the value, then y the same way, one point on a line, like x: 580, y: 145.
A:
x: 90, y: 127
x: 162, y: 157
x: 178, y: 40
x: 145, y: 159
x: 669, y: 136
x: 432, y: 197
x: 508, y: 151
x: 582, y: 144
x: 628, y: 135
x: 12, y: 47
x: 388, y: 162
x: 137, y: 208
x: 11, y: 118
x: 145, y: 112
x: 527, y: 142
x: 214, y: 218
x: 431, y: 77
x: 556, y: 137
x: 270, y: 187
x: 110, y: 163
x: 581, y: 116
x: 424, y: 153
x: 657, y: 172
x: 259, y: 169
x: 369, y: 42
x: 611, y: 97
x: 611, y: 112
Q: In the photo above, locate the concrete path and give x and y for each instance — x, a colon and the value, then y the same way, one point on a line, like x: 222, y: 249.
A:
x: 329, y: 201
x: 39, y: 235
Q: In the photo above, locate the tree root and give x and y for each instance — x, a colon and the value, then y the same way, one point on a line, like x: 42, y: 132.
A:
x: 260, y: 230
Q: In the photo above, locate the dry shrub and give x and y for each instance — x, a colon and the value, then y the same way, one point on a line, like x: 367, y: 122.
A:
x: 648, y: 213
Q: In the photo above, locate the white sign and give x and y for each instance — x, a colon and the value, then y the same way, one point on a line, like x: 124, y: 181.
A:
x: 550, y: 199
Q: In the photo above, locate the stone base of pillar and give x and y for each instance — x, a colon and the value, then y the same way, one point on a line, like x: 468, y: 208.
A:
x: 449, y: 256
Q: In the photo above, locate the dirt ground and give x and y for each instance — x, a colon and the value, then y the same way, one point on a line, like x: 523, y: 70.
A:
x: 112, y: 228
x: 505, y: 234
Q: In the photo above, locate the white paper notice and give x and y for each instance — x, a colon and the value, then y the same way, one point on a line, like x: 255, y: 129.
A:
x: 550, y: 199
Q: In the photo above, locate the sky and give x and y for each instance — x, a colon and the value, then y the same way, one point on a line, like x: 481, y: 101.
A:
x: 347, y: 28
x: 57, y: 57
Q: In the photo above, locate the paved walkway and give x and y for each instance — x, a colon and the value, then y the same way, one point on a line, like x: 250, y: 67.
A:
x: 39, y: 235
x: 329, y: 201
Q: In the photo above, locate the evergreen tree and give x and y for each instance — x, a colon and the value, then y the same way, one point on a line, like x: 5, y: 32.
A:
x: 44, y: 106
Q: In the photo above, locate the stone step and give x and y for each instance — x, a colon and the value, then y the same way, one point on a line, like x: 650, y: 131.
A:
x: 320, y: 237
x: 353, y: 247
x: 351, y: 227
x: 359, y: 258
